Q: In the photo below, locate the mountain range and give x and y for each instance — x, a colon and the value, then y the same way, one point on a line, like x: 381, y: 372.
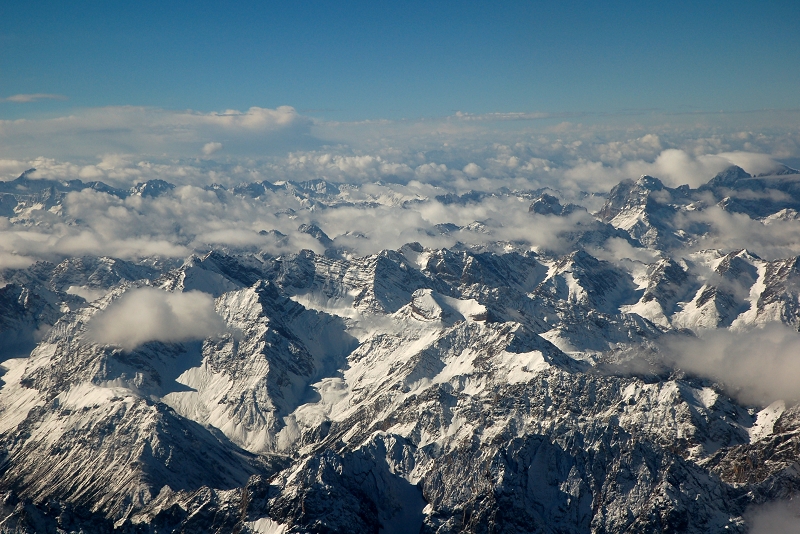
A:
x: 585, y: 383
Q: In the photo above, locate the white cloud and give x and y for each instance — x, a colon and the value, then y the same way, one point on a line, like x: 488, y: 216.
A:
x: 676, y: 167
x: 12, y: 167
x: 10, y: 260
x: 731, y: 231
x: 472, y: 170
x: 757, y: 366
x: 130, y: 229
x: 193, y: 219
x: 616, y: 249
x: 149, y: 314
x: 86, y: 293
x: 397, y: 167
x: 775, y: 518
x: 254, y: 119
x: 468, y: 151
x: 753, y: 163
x: 431, y: 171
x: 32, y: 97
x: 339, y: 167
x: 90, y: 172
x: 673, y: 166
x: 210, y: 148
x: 151, y: 133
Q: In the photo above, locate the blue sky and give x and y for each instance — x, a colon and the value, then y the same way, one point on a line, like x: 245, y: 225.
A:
x: 367, y: 60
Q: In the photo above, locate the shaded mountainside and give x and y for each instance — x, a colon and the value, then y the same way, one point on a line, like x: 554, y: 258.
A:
x: 424, y: 390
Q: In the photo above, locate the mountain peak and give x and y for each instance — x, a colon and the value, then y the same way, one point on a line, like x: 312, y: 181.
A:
x: 650, y: 183
x: 151, y: 188
x: 728, y: 177
x: 546, y: 205
x: 316, y: 232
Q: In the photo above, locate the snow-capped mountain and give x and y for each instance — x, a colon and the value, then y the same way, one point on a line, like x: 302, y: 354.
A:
x: 534, y: 379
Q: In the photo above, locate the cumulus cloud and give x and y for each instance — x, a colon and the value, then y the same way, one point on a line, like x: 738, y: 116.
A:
x: 757, y: 365
x: 149, y: 314
x: 340, y: 168
x: 191, y: 218
x: 10, y: 260
x: 210, y: 148
x: 124, y: 170
x: 472, y: 170
x: 673, y: 166
x: 370, y: 218
x: 254, y: 119
x: 676, y: 167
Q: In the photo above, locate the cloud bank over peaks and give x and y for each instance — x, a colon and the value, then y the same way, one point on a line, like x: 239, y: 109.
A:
x: 249, y: 179
x: 124, y: 145
x: 672, y: 166
x: 148, y: 314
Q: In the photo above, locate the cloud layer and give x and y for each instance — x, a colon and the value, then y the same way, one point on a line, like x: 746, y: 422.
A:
x: 148, y: 314
x: 155, y: 132
x: 125, y: 144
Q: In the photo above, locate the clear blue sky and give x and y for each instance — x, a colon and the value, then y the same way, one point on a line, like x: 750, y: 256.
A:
x: 359, y: 60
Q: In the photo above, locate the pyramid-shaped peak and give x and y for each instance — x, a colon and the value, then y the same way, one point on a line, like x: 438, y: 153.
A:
x: 316, y: 232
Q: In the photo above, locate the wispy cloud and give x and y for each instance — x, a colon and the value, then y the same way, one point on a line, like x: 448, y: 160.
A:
x: 515, y: 116
x: 776, y: 517
x: 32, y: 97
x: 156, y: 132
x: 759, y: 365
